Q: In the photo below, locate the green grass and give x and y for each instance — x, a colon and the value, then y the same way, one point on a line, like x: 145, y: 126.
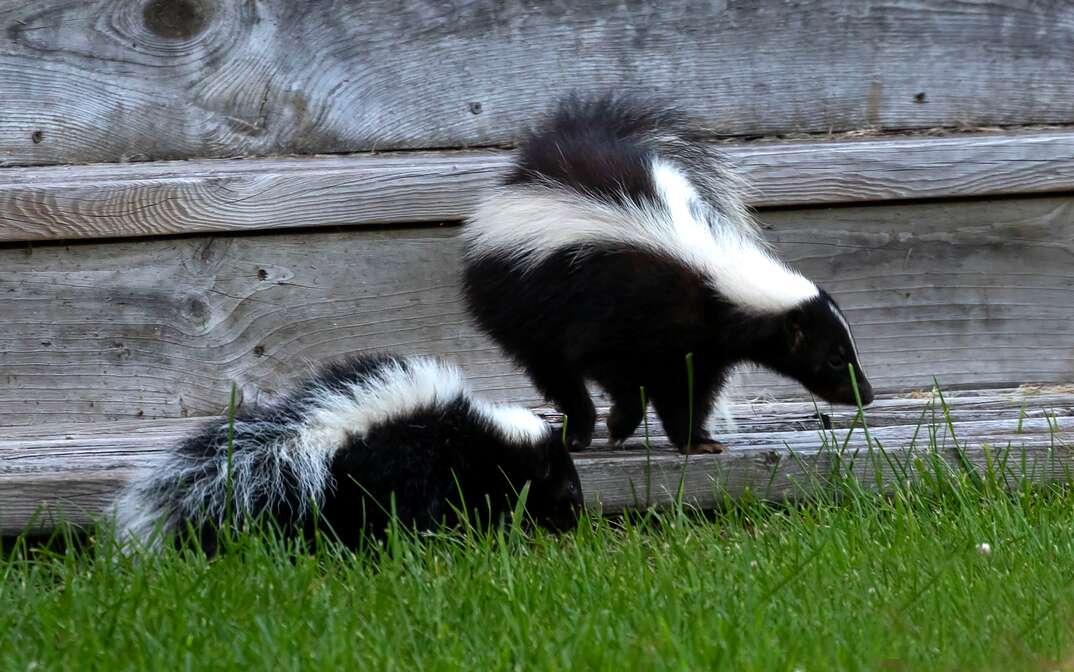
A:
x: 857, y: 581
x: 953, y: 569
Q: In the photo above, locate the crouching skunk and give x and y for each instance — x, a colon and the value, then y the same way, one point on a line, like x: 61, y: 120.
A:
x: 350, y: 444
x: 618, y: 244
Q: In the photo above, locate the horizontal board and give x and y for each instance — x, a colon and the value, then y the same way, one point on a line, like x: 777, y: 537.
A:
x: 119, y: 200
x: 145, y: 199
x: 749, y: 416
x: 103, y: 81
x: 71, y: 472
x: 977, y: 294
x: 796, y: 465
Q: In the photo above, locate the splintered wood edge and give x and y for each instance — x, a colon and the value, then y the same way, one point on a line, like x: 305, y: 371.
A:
x: 220, y: 195
x: 72, y: 474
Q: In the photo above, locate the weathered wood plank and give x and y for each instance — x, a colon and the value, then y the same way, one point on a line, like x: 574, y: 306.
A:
x: 921, y: 407
x: 118, y: 200
x: 108, y: 81
x: 750, y: 416
x: 792, y: 465
x: 70, y: 472
x: 144, y: 199
x: 849, y: 171
x: 977, y: 294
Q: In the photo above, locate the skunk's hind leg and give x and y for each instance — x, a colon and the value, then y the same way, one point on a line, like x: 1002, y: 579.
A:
x: 568, y: 392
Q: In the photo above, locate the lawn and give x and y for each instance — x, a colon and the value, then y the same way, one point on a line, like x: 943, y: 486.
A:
x: 952, y: 573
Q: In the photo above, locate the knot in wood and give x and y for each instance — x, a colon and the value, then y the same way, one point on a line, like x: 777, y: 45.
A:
x: 177, y: 19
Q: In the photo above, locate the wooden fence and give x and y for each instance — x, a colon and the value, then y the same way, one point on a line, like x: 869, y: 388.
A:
x: 171, y: 220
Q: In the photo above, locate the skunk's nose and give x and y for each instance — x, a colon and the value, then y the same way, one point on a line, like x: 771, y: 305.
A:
x: 866, y: 392
x: 570, y: 510
x: 563, y: 520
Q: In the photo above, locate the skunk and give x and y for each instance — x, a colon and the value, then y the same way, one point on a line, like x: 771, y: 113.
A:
x: 361, y: 439
x: 617, y: 245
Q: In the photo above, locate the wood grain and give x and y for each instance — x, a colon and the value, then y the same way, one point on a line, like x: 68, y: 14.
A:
x: 795, y: 465
x: 117, y: 80
x: 209, y: 196
x: 71, y: 472
x: 850, y: 171
x: 922, y: 407
x: 175, y: 197
x: 977, y: 294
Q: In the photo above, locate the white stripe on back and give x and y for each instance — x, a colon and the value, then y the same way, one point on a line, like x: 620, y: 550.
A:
x: 529, y: 223
x: 514, y: 423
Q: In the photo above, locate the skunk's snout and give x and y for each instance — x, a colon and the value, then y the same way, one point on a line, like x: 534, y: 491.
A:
x: 564, y: 518
x: 566, y: 509
x: 866, y: 392
x: 845, y: 394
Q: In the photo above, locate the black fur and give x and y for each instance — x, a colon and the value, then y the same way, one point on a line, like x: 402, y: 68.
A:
x: 600, y: 147
x: 423, y: 465
x: 627, y: 318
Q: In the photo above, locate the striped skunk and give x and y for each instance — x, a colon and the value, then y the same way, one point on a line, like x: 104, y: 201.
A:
x: 619, y: 243
x: 348, y: 445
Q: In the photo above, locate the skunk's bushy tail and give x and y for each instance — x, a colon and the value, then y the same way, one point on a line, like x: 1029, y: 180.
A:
x: 603, y: 147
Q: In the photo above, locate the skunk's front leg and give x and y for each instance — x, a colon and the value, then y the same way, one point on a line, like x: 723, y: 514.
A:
x: 626, y: 412
x: 570, y: 395
x: 685, y: 426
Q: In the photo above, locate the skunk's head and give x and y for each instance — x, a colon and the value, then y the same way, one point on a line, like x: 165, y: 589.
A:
x: 526, y: 450
x: 555, y: 493
x: 555, y: 496
x: 814, y: 345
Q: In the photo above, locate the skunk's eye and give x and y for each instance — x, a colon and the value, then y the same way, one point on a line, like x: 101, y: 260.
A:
x: 837, y: 362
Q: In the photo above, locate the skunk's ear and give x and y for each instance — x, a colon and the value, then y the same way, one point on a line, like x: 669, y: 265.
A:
x: 794, y: 328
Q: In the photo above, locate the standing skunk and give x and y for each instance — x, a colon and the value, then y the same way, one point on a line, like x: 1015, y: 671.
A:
x: 359, y: 438
x: 617, y: 245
